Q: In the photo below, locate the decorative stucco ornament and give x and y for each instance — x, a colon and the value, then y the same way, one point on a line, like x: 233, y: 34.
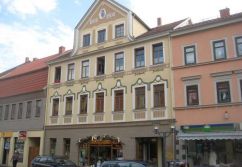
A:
x: 139, y: 81
x: 102, y: 13
x: 158, y: 78
x: 118, y: 84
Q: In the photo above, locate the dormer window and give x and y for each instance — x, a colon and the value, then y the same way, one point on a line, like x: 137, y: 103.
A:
x: 86, y: 40
x: 101, y: 36
x: 119, y: 31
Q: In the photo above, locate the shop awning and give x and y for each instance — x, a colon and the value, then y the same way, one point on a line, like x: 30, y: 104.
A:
x: 210, y: 136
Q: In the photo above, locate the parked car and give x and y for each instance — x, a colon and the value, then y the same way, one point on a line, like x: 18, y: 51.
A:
x: 52, y: 161
x: 126, y: 164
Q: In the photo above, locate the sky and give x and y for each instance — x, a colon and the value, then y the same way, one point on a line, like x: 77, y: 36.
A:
x: 36, y: 28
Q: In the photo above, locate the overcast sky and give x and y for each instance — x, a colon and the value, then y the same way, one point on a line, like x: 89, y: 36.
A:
x: 36, y: 28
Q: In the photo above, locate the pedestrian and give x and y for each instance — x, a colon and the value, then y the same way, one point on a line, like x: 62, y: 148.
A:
x: 15, y: 158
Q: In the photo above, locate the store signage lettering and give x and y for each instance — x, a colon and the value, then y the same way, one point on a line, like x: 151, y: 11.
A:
x: 22, y: 135
x: 6, y: 134
x: 208, y: 128
x: 102, y: 15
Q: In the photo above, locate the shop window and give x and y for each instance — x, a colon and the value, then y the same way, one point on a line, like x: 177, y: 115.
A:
x: 139, y: 58
x: 70, y: 75
x: 13, y: 113
x: 140, y: 98
x: 57, y: 74
x: 158, y: 54
x: 67, y: 143
x: 69, y: 101
x: 29, y: 108
x: 55, y: 108
x: 85, y: 69
x: 84, y: 155
x: 119, y: 31
x: 52, y: 146
x: 101, y: 36
x: 100, y: 65
x: 1, y: 113
x: 99, y: 102
x: 119, y: 100
x: 83, y: 104
x: 159, y: 96
x: 190, y: 55
x: 241, y: 89
x: 223, y: 92
x: 86, y: 40
x: 19, y: 146
x: 192, y: 95
x: 219, y: 50
x: 119, y: 61
x: 6, y: 112
x: 38, y: 108
x: 20, y: 110
x: 238, y: 43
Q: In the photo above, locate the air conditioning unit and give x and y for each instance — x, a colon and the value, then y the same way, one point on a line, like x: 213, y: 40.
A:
x: 240, y: 126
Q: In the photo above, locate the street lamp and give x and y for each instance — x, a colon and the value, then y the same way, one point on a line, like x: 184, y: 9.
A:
x: 164, y: 135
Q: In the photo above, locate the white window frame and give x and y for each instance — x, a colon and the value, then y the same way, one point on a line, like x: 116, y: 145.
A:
x: 183, y: 53
x: 80, y: 75
x: 82, y: 38
x: 226, y: 48
x: 105, y: 70
x: 133, y: 57
x: 146, y: 96
x: 230, y: 87
x: 54, y: 71
x: 94, y: 103
x: 106, y: 34
x: 51, y: 106
x: 239, y: 78
x: 114, y: 29
x: 73, y: 101
x: 114, y: 61
x: 79, y: 105
x: 113, y: 98
x: 234, y: 44
x: 74, y: 72
x: 191, y: 83
x: 151, y: 53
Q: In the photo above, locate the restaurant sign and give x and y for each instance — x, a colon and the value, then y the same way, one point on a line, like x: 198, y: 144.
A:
x: 22, y: 135
x: 6, y: 134
x: 208, y: 128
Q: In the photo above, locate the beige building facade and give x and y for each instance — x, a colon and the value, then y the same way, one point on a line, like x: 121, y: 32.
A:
x: 104, y: 97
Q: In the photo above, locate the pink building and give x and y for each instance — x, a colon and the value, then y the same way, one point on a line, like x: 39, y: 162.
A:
x: 207, y: 71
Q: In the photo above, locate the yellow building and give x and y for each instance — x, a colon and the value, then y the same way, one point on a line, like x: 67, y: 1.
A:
x: 105, y: 96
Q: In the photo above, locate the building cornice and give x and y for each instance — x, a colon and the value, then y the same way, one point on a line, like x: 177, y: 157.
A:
x: 207, y: 63
x: 106, y: 125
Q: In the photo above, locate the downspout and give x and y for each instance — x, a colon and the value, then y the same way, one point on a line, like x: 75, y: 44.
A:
x: 172, y: 92
x: 130, y: 26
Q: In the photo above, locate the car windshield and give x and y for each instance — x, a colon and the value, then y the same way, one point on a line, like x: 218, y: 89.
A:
x: 63, y: 162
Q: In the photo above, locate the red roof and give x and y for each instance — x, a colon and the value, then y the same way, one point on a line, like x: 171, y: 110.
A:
x: 29, y: 77
x: 31, y: 66
x: 161, y: 29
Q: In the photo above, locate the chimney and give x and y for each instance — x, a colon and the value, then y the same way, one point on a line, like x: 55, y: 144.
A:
x: 27, y: 60
x: 224, y: 13
x: 158, y: 22
x: 35, y: 59
x: 61, y: 49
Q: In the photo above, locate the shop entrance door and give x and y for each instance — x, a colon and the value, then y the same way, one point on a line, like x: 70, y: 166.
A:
x: 99, y: 155
x: 6, y: 151
x: 33, y: 152
x: 229, y: 151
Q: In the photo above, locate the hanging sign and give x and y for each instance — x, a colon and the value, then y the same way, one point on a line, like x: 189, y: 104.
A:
x: 22, y: 135
x: 6, y: 134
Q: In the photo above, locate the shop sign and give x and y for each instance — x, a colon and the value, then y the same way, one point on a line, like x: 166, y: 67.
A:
x: 22, y: 135
x: 6, y: 145
x: 208, y: 128
x: 6, y: 134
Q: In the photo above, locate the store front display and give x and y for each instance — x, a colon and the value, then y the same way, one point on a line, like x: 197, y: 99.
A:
x: 94, y: 150
x: 19, y: 146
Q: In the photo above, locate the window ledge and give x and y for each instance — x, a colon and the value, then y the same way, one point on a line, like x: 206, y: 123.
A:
x: 70, y: 82
x: 84, y: 114
x: 54, y: 116
x: 68, y: 115
x: 118, y: 112
x: 158, y: 65
x: 85, y: 47
x: 159, y: 108
x: 84, y: 79
x: 115, y: 39
x: 100, y: 76
x: 100, y: 43
x: 118, y: 72
x: 140, y: 110
x: 139, y: 69
x: 99, y: 113
x: 56, y: 84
